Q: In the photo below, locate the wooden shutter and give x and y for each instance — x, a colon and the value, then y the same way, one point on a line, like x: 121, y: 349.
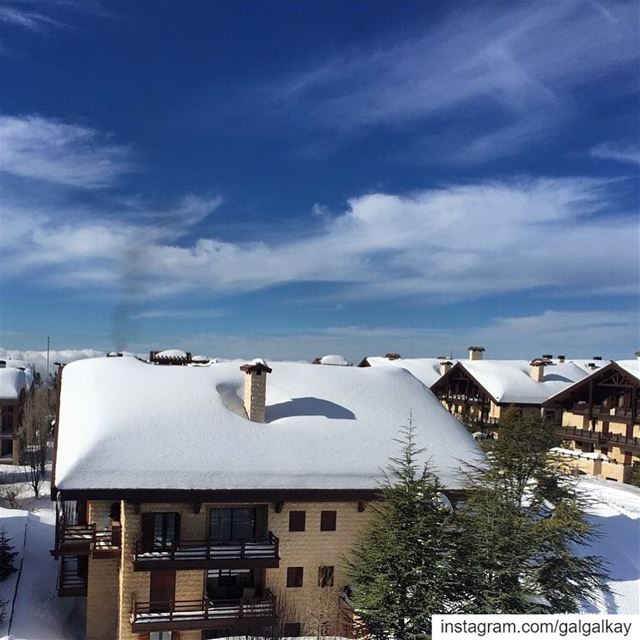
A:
x: 146, y: 523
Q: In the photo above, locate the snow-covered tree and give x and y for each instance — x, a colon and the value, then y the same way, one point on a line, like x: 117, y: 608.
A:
x: 7, y: 556
x: 405, y: 568
x: 525, y: 523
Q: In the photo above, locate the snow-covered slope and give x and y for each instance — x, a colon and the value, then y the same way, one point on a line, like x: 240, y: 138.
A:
x: 125, y: 423
x: 427, y: 370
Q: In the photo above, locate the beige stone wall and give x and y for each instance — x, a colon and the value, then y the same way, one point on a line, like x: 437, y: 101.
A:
x: 312, y: 549
x: 102, y: 599
x: 600, y: 468
x: 574, y: 420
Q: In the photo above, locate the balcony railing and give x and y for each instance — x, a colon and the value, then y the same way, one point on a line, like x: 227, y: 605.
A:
x: 600, y: 438
x: 602, y: 412
x: 202, y: 614
x: 70, y: 580
x: 86, y: 539
x: 197, y: 554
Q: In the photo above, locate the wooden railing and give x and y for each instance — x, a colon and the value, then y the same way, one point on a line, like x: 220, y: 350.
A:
x: 603, y: 412
x: 200, y: 614
x: 210, y: 552
x: 86, y: 538
x: 599, y: 437
x: 70, y: 582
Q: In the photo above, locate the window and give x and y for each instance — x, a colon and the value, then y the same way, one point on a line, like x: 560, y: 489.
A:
x: 291, y: 629
x: 160, y: 635
x: 232, y: 524
x: 325, y: 576
x: 327, y: 521
x: 297, y: 520
x: 225, y: 584
x: 294, y: 576
x: 164, y: 530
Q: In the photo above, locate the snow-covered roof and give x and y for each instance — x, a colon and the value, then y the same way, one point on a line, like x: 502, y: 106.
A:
x: 510, y: 381
x: 29, y: 369
x: 12, y: 382
x: 126, y: 424
x: 630, y: 366
x: 336, y: 360
x: 427, y: 370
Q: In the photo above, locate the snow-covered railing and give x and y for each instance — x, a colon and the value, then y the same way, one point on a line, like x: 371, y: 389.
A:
x: 195, y: 553
x: 599, y: 437
x: 204, y: 613
x: 86, y: 538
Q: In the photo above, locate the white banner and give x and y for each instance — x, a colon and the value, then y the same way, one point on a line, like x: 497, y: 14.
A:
x: 538, y: 627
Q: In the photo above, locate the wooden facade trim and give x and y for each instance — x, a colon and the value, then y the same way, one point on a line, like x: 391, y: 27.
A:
x: 459, y: 367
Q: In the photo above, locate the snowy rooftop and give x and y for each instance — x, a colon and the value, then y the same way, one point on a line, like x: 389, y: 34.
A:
x: 511, y: 381
x: 631, y: 366
x: 12, y: 382
x: 127, y: 424
x: 336, y: 360
x: 427, y: 370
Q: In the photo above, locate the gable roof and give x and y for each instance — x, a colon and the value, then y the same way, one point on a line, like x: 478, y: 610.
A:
x: 625, y: 367
x: 510, y: 381
x: 127, y: 424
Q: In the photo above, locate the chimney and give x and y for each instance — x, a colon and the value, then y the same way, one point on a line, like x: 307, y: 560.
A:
x: 547, y: 356
x: 392, y: 356
x: 561, y: 358
x: 475, y: 353
x: 255, y: 389
x: 445, y: 366
x: 537, y: 369
x: 597, y: 357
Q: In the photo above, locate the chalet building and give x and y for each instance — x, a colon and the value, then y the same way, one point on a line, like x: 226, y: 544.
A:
x: 482, y: 389
x: 200, y: 501
x: 427, y: 370
x: 601, y: 420
x: 15, y: 383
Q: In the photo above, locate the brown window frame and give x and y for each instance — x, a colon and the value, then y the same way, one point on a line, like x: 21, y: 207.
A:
x: 297, y: 521
x: 328, y: 520
x: 295, y: 577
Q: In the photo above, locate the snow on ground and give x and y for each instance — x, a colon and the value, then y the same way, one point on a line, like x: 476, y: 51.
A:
x: 616, y: 513
x: 34, y: 611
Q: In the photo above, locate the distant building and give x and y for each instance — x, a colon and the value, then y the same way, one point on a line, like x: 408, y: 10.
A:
x: 215, y: 500
x: 15, y: 383
x: 601, y: 420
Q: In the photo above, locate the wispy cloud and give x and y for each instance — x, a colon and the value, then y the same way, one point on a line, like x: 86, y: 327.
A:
x: 70, y: 155
x: 477, y: 61
x: 180, y: 314
x: 440, y: 244
x: 619, y: 152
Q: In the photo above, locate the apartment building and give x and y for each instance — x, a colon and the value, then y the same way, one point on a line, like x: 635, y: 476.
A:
x: 15, y: 383
x: 201, y: 500
x: 601, y: 420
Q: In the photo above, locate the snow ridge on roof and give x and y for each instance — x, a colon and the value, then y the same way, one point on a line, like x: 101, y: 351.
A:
x: 127, y: 424
x: 427, y: 370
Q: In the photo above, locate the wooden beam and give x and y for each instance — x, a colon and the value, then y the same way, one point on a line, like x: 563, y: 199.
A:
x: 362, y: 505
x: 196, y: 507
x: 278, y: 506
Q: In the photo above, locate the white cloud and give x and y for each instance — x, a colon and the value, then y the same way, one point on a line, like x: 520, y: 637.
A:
x: 43, y: 149
x: 180, y: 314
x: 617, y: 151
x: 515, y: 67
x: 461, y: 241
x: 39, y: 358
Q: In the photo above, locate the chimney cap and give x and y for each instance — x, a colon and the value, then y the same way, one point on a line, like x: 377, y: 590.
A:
x: 597, y: 357
x: 637, y: 354
x: 540, y: 362
x: 476, y: 348
x: 547, y: 356
x: 392, y: 356
x: 258, y: 365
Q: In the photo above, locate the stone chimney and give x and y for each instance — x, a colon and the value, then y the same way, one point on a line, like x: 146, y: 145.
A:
x: 445, y: 366
x: 475, y: 353
x: 255, y: 389
x: 392, y: 356
x: 561, y: 358
x: 537, y: 369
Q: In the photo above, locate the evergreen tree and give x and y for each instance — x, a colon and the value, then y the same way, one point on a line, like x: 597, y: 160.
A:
x: 404, y: 569
x: 7, y: 556
x: 524, y: 521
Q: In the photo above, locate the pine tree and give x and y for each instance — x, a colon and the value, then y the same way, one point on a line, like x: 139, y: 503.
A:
x: 7, y: 555
x: 524, y: 521
x: 404, y: 569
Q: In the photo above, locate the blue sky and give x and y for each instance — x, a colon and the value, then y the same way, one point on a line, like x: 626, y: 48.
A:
x: 289, y: 179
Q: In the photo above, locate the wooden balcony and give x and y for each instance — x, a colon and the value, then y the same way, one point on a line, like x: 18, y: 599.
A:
x: 601, y: 412
x: 599, y: 438
x: 209, y: 554
x: 86, y: 539
x: 244, y: 613
x: 70, y: 580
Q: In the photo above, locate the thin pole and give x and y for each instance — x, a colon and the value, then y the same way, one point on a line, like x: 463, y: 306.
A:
x: 48, y: 344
